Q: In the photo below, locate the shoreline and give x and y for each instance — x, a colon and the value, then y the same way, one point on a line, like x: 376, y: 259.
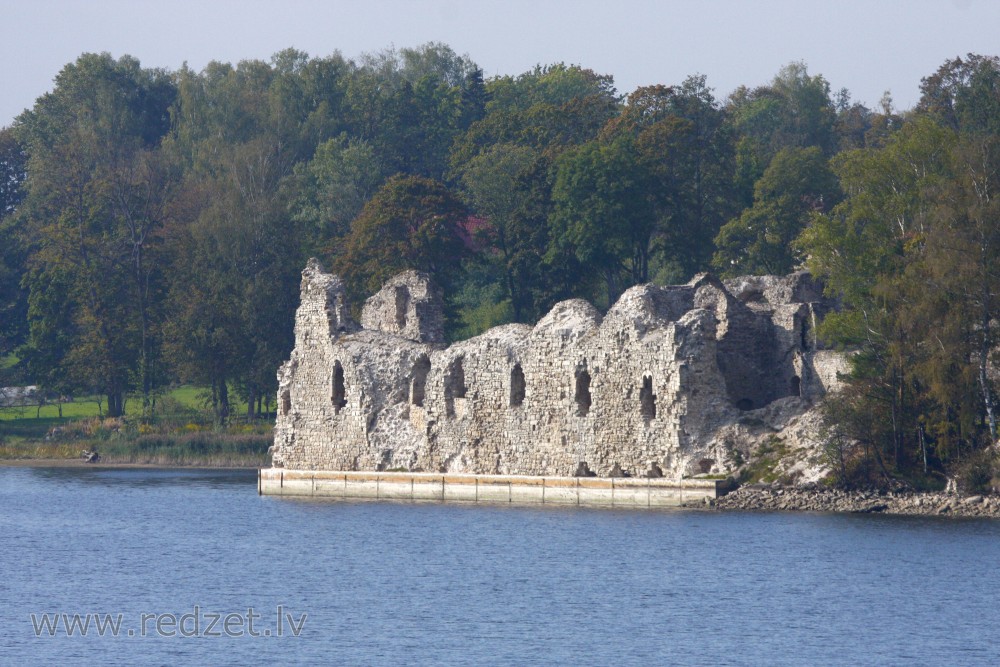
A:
x: 756, y: 498
x: 79, y: 463
x: 753, y: 498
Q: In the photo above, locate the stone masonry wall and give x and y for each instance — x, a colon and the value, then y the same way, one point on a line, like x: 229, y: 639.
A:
x: 656, y: 387
x: 409, y: 305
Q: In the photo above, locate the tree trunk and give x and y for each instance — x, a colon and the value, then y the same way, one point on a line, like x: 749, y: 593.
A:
x: 985, y: 343
x: 923, y: 446
x: 115, y: 404
x: 251, y: 400
x: 515, y: 297
x: 223, y: 409
x: 614, y: 290
x: 894, y: 408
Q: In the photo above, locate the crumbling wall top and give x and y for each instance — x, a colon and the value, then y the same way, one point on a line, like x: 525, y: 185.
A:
x: 325, y: 292
x: 647, y: 307
x: 799, y: 287
x: 569, y: 320
x: 410, y: 306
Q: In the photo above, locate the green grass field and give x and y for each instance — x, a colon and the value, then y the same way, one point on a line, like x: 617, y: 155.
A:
x: 181, y: 400
x: 78, y: 409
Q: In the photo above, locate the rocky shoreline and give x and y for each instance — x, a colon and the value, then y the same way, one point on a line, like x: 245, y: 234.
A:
x: 815, y: 498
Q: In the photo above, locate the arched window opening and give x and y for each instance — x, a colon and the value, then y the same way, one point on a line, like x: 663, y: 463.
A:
x: 286, y: 401
x: 420, y: 370
x: 796, y: 386
x: 402, y: 305
x: 647, y: 399
x: 339, y: 395
x: 517, y: 386
x: 582, y: 393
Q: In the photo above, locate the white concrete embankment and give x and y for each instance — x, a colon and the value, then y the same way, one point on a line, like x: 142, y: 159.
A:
x: 614, y: 492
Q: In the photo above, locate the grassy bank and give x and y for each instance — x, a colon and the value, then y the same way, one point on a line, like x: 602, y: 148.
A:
x: 180, y: 432
x: 223, y: 448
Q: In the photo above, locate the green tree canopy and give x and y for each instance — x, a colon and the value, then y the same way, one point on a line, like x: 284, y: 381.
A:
x: 794, y: 111
x: 495, y: 184
x: 796, y: 185
x: 964, y: 94
x: 331, y: 189
x: 684, y: 142
x: 95, y: 202
x: 603, y: 216
x: 13, y: 299
x: 410, y: 223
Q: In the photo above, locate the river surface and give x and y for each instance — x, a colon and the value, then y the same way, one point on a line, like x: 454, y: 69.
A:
x: 449, y: 584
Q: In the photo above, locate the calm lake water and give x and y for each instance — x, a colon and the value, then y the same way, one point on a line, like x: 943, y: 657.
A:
x: 428, y: 584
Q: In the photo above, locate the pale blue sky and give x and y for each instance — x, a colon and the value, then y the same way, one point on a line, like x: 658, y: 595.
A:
x: 867, y: 46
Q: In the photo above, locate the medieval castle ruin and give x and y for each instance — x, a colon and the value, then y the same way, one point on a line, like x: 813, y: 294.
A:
x: 672, y: 381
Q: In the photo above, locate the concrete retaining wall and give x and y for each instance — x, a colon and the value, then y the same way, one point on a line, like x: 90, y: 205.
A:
x: 613, y: 492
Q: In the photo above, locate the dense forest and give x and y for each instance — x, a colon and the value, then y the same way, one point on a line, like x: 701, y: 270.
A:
x: 154, y: 223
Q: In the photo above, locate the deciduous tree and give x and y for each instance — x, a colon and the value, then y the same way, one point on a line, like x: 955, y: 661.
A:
x: 94, y: 203
x: 796, y: 185
x: 410, y: 223
x: 603, y: 214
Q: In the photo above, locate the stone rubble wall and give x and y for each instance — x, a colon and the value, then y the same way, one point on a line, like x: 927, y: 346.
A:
x: 661, y: 385
x: 409, y: 305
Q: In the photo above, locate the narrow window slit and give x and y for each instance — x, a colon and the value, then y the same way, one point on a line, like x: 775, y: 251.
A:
x: 339, y: 394
x: 582, y: 393
x: 402, y: 305
x: 517, y: 386
x: 647, y: 399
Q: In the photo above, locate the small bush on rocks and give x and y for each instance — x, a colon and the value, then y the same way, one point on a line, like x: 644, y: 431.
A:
x: 975, y: 474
